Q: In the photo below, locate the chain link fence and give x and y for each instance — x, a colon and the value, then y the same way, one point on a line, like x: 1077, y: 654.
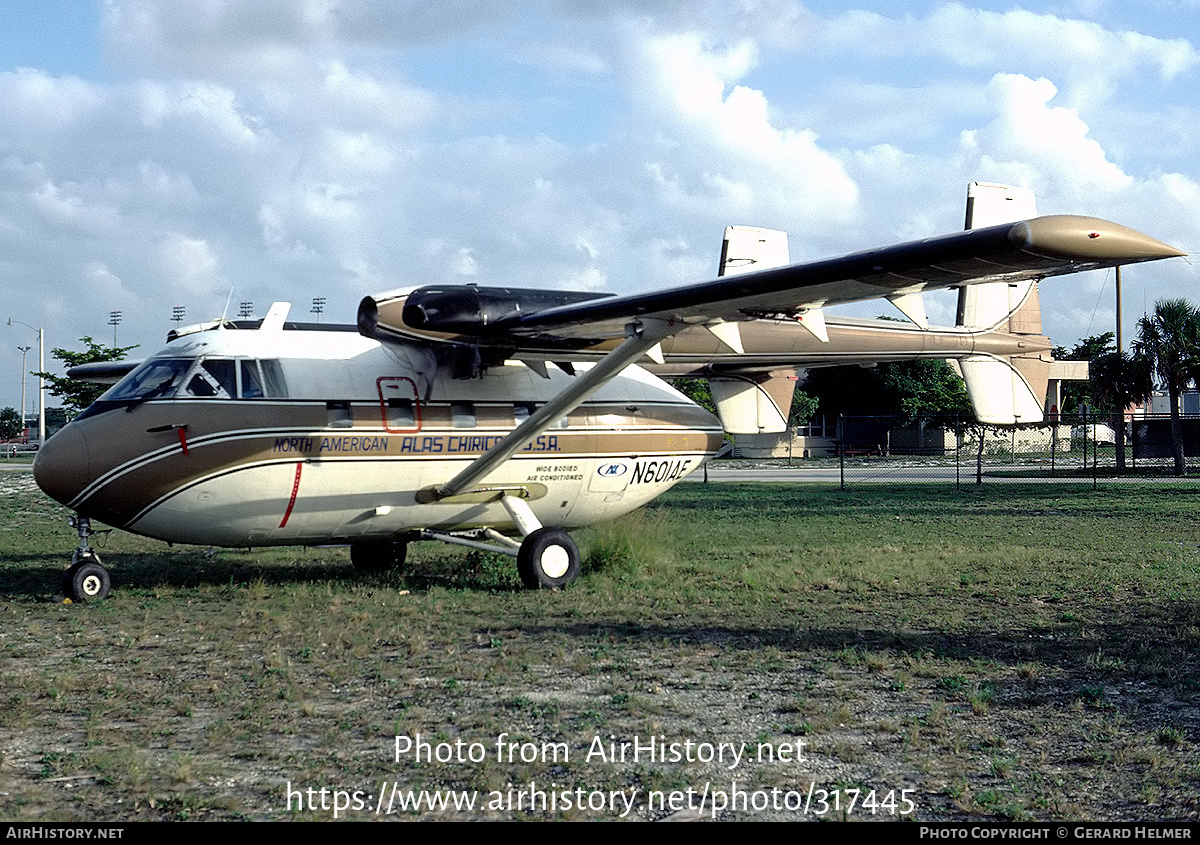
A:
x: 1079, y: 447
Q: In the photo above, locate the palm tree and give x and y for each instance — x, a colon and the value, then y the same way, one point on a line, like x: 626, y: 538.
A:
x: 1116, y: 382
x: 1170, y: 342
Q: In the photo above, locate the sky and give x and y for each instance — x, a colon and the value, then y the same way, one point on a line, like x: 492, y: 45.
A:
x: 159, y: 154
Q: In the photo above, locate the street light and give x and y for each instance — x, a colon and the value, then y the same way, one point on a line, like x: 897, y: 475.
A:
x: 23, y: 350
x: 114, y: 320
x: 318, y: 306
x: 41, y: 379
x: 177, y: 313
x: 245, y: 309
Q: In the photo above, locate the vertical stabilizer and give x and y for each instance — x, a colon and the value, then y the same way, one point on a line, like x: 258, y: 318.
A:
x: 1011, y: 390
x: 985, y: 306
x: 747, y: 249
x: 754, y: 403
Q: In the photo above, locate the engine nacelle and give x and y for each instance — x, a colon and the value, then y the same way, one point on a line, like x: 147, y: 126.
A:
x: 468, y: 309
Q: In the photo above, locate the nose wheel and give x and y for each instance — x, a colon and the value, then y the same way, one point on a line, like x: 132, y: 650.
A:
x: 85, y: 579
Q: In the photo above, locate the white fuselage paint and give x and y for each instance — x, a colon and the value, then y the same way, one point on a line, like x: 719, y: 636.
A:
x: 333, y: 461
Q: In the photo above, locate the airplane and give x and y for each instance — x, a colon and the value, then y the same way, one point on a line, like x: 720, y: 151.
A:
x: 467, y: 414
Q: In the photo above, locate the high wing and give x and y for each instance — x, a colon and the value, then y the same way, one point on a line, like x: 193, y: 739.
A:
x: 521, y: 320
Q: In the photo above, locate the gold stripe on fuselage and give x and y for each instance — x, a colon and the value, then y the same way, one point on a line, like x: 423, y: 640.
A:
x: 233, y: 436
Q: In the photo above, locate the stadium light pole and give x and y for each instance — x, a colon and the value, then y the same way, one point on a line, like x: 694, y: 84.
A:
x: 41, y: 379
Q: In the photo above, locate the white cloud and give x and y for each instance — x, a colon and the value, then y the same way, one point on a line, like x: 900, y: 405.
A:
x: 188, y: 265
x: 65, y: 207
x: 717, y: 142
x: 212, y: 110
x: 1087, y: 57
x: 1034, y: 142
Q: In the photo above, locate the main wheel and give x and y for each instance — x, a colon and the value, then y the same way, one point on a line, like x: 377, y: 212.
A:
x: 379, y: 556
x: 549, y: 558
x: 86, y: 581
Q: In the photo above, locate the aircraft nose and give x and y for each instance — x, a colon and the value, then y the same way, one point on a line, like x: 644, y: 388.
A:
x: 62, y: 465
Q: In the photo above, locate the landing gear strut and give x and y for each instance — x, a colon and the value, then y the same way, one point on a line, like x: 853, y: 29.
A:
x: 546, y: 557
x: 85, y: 579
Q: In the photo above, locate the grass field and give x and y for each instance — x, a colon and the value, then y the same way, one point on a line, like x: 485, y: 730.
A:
x: 1005, y: 652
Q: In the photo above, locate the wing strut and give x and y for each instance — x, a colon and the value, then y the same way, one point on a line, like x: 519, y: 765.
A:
x: 640, y: 337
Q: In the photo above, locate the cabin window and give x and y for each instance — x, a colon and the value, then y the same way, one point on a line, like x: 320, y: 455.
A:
x: 398, y: 403
x: 524, y: 411
x: 401, y: 414
x: 462, y: 414
x: 339, y: 414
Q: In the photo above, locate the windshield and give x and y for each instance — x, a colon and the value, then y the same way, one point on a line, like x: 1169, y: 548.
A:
x: 152, y: 378
x: 155, y: 377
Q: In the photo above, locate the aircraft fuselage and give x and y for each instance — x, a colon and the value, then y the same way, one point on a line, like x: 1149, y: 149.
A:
x: 255, y: 438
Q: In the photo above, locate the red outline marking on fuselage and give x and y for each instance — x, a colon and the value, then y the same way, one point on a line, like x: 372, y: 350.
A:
x: 292, y: 500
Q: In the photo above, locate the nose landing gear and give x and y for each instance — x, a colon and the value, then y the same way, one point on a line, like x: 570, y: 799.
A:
x: 85, y: 579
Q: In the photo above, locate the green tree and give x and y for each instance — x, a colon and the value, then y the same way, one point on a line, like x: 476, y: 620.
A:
x: 1116, y: 381
x: 1091, y: 349
x: 78, y: 394
x: 910, y: 390
x: 1169, y: 342
x: 10, y: 424
x: 698, y: 391
x: 56, y: 418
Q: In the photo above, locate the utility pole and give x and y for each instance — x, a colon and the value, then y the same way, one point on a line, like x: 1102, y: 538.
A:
x: 1119, y: 433
x: 1120, y: 348
x: 41, y: 379
x: 23, y: 349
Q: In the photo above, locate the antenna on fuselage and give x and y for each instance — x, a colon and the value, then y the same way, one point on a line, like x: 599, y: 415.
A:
x: 225, y: 313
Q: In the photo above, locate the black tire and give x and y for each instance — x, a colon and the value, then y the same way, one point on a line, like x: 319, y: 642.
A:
x: 548, y: 558
x: 378, y: 557
x: 86, y: 581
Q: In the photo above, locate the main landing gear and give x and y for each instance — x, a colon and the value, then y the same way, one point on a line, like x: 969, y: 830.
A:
x: 85, y: 579
x: 546, y: 557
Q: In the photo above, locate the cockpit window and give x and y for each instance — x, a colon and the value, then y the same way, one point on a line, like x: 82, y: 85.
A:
x: 210, y: 378
x: 272, y: 373
x: 213, y: 379
x: 251, y: 384
x: 228, y: 378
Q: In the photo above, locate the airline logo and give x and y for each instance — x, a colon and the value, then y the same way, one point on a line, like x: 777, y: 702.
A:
x: 612, y: 470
